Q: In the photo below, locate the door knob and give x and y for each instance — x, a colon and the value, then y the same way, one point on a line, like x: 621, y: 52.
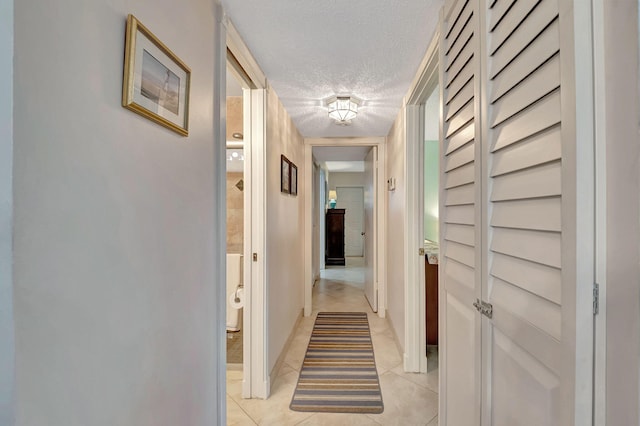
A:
x: 362, y: 233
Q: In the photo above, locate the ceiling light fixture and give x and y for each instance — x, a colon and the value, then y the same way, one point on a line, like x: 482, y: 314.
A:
x: 343, y: 109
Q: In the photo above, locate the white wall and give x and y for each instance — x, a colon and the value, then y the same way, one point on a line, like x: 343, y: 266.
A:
x: 285, y: 229
x: 115, y: 237
x: 623, y: 215
x: 395, y: 167
x: 346, y: 179
x: 7, y: 348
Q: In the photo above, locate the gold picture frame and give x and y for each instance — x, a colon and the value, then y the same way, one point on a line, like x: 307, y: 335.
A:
x: 156, y: 82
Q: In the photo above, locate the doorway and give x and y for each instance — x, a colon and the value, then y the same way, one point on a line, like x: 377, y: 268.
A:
x: 252, y: 141
x: 235, y: 327
x: 368, y: 184
x: 423, y: 212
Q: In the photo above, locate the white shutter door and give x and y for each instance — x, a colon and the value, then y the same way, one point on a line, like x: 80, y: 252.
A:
x: 459, y: 227
x: 524, y: 348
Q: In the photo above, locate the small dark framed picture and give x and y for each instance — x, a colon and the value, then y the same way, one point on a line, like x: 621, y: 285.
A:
x: 285, y: 175
x: 293, y: 180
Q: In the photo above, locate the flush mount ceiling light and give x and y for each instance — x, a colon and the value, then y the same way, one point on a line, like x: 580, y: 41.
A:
x: 343, y: 109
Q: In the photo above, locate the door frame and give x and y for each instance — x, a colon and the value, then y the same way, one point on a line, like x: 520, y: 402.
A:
x: 255, y: 383
x: 379, y: 233
x: 427, y: 78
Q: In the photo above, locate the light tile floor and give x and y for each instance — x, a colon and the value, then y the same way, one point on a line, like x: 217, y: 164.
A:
x: 409, y: 399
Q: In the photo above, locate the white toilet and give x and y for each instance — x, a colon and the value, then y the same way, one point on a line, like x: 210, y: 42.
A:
x: 235, y: 292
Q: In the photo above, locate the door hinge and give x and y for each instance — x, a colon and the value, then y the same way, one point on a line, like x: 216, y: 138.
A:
x: 596, y: 298
x: 255, y: 257
x: 484, y: 308
x: 421, y: 252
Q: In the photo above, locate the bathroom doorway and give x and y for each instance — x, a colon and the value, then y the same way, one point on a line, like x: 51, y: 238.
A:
x: 423, y: 212
x: 235, y: 223
x: 245, y: 302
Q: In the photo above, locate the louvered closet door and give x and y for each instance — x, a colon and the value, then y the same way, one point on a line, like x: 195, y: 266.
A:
x: 459, y: 228
x: 523, y: 350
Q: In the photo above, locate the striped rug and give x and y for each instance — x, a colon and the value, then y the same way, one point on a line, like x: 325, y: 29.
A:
x: 339, y: 371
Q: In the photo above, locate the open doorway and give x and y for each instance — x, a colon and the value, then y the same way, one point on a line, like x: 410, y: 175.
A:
x: 349, y: 209
x: 423, y: 212
x: 235, y: 326
x: 245, y: 154
x: 431, y: 213
x: 342, y: 210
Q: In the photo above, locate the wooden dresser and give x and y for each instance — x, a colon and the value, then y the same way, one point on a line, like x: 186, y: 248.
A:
x: 334, y: 248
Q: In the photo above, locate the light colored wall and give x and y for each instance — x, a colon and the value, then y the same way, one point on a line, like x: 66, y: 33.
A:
x: 623, y: 216
x: 235, y: 213
x: 346, y: 179
x: 115, y: 242
x: 395, y: 167
x: 285, y: 228
x: 431, y: 189
x: 234, y: 115
x: 7, y: 348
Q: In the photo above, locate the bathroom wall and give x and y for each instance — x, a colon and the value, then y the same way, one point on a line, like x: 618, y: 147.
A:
x: 235, y: 195
x: 431, y: 177
x: 431, y: 165
x: 235, y: 213
x: 234, y: 115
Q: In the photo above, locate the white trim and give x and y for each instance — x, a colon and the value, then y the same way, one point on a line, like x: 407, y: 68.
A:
x: 426, y: 80
x: 414, y: 291
x: 380, y: 234
x: 600, y: 338
x: 442, y: 305
x: 244, y: 57
x: 247, y: 130
x: 578, y: 213
x: 219, y: 404
x: 308, y: 233
x: 256, y: 383
x: 260, y: 384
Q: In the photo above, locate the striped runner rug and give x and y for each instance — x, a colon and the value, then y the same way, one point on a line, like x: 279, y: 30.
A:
x: 338, y: 373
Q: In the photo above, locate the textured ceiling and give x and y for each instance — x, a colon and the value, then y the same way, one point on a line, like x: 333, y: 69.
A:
x: 312, y: 50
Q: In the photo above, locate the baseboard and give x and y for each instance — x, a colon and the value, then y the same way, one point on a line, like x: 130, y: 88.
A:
x: 393, y: 331
x: 278, y: 365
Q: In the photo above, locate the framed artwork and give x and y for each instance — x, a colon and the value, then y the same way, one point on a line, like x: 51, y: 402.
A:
x: 156, y: 82
x: 285, y: 175
x: 293, y: 180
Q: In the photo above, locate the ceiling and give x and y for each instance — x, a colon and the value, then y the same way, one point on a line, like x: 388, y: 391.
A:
x: 312, y: 50
x: 341, y: 158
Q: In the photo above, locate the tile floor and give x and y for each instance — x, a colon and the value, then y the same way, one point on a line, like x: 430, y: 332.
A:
x: 234, y: 347
x: 409, y: 399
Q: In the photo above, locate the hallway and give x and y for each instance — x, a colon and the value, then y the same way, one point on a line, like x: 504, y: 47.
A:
x: 409, y: 399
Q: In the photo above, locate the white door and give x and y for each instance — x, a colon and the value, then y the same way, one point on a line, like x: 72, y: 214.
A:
x: 351, y: 198
x: 538, y: 236
x: 517, y: 221
x: 370, y: 219
x: 460, y: 224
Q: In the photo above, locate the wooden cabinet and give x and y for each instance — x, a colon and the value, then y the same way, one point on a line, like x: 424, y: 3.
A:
x: 334, y: 253
x: 431, y: 287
